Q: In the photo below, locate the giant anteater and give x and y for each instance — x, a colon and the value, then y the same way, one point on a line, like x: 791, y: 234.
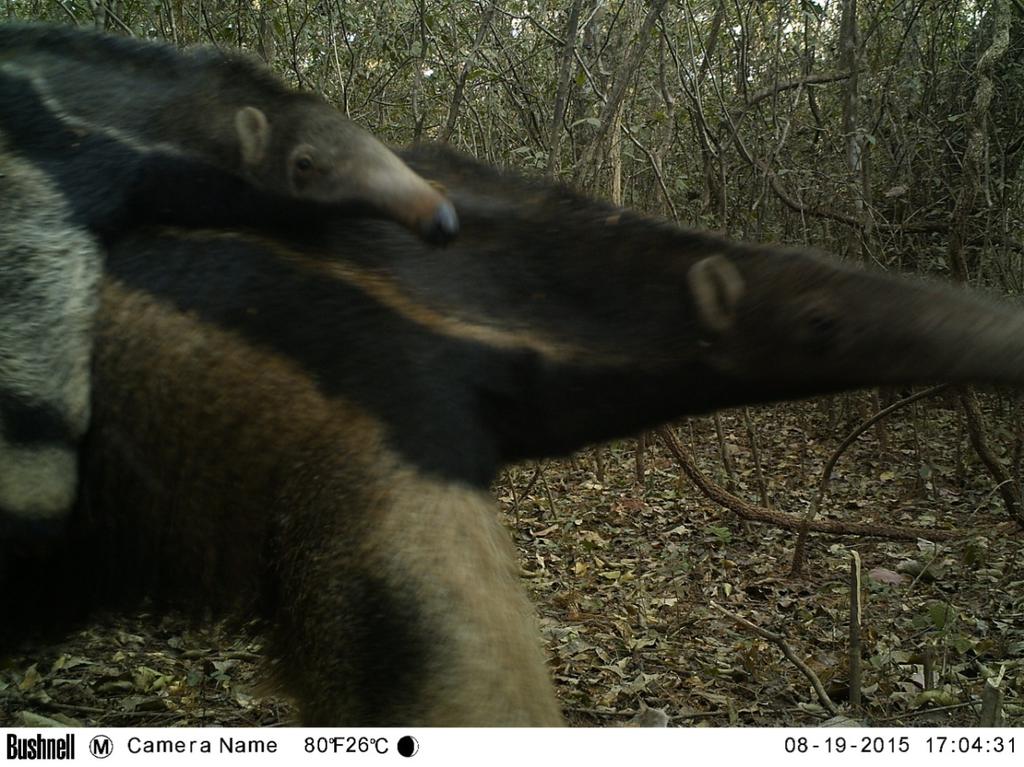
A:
x: 306, y: 431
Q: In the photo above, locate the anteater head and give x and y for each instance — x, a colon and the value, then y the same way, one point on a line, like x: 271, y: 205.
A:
x: 792, y: 323
x: 314, y: 152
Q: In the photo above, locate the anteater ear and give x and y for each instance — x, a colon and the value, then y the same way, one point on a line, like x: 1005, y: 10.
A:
x: 253, y: 135
x: 717, y: 287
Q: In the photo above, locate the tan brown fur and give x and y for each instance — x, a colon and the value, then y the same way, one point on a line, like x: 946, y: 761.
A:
x: 490, y: 668
x: 268, y: 465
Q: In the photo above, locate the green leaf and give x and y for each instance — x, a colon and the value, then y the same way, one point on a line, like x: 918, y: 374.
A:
x: 942, y: 614
x: 938, y: 697
x: 723, y: 534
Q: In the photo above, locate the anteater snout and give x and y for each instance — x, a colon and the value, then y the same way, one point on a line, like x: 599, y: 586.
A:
x: 442, y: 225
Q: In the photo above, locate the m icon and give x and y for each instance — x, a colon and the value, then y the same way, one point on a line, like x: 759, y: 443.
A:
x: 101, y: 746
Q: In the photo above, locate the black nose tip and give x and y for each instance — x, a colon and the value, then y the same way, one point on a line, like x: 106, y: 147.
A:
x: 444, y: 225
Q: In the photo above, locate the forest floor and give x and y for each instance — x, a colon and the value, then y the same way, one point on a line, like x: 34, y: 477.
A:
x: 624, y: 573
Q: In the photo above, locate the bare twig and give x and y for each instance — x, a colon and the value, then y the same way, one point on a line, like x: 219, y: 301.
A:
x: 1005, y: 484
x: 746, y: 510
x: 564, y: 72
x: 856, y: 618
x: 640, y: 458
x: 992, y: 702
x: 787, y: 651
x: 826, y: 474
x: 467, y: 66
x: 620, y: 83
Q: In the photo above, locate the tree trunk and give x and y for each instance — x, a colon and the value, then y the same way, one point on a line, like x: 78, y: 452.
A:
x: 467, y: 67
x: 564, y: 75
x: 586, y: 168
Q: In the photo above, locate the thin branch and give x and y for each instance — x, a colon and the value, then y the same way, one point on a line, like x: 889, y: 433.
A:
x: 746, y: 510
x: 791, y: 656
x: 564, y: 73
x: 625, y: 74
x: 776, y: 88
x: 826, y: 474
x: 467, y: 65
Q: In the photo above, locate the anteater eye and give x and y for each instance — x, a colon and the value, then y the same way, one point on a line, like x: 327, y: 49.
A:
x: 303, y: 164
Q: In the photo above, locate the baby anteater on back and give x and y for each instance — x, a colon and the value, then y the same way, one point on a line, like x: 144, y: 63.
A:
x: 229, y: 110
